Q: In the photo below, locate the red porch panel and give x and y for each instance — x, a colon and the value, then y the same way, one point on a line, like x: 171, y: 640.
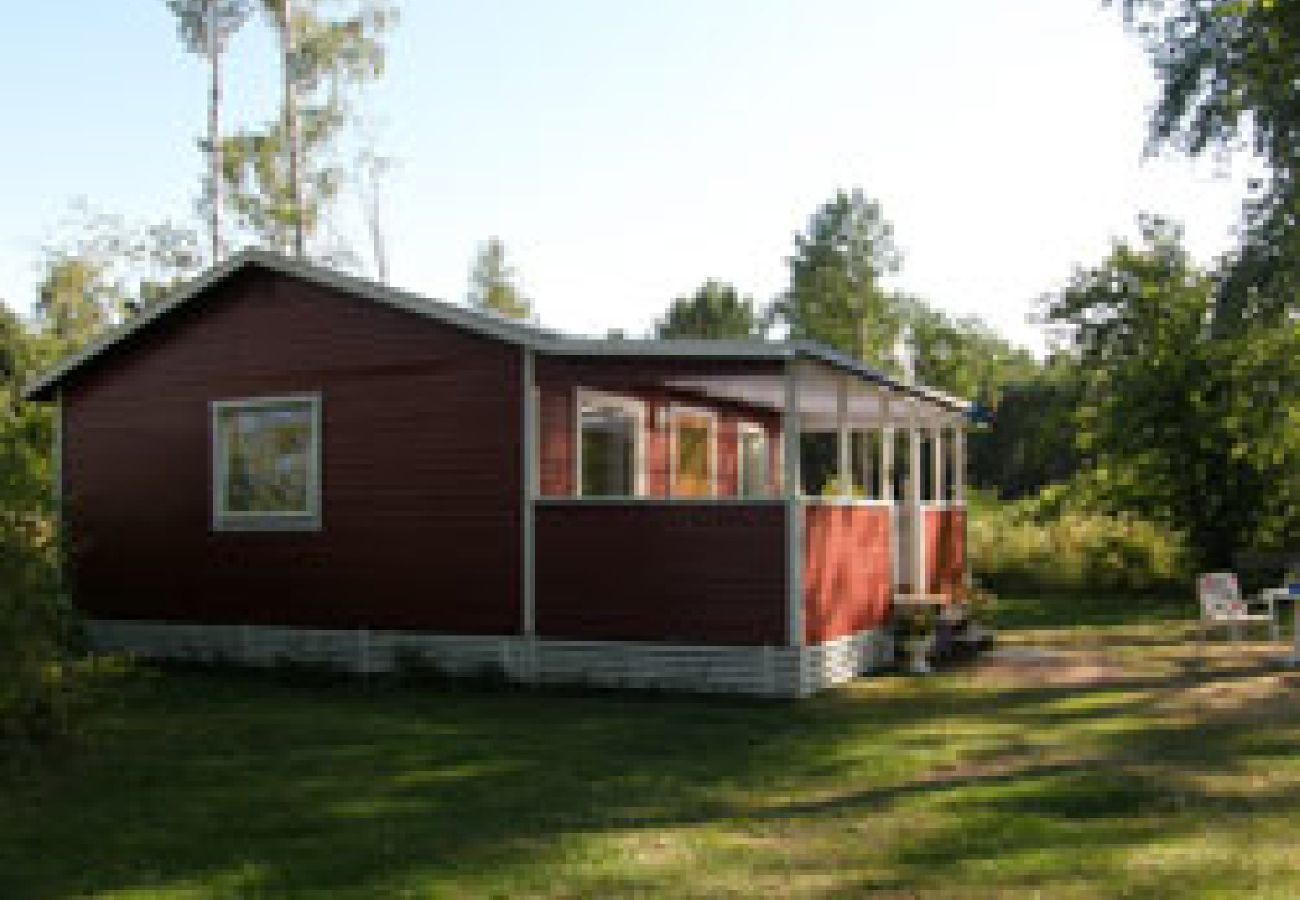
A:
x: 945, y: 551
x: 847, y: 569
x: 691, y: 573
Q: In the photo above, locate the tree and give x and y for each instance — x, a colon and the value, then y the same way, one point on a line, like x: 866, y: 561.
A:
x: 1031, y: 441
x: 279, y: 177
x: 75, y: 301
x: 715, y: 310
x: 493, y: 283
x: 835, y: 294
x: 205, y: 28
x: 1228, y: 71
x: 964, y: 357
x: 103, y: 269
x: 1207, y: 425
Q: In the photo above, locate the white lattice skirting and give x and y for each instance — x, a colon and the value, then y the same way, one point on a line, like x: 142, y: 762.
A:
x: 762, y: 671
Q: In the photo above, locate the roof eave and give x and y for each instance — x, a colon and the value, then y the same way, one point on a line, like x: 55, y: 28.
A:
x: 538, y: 339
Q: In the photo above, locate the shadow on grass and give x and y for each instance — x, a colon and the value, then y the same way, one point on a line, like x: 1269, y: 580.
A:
x: 238, y: 784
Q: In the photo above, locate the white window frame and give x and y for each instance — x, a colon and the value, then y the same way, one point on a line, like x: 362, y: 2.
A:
x: 742, y: 429
x: 676, y: 411
x: 224, y: 519
x: 637, y: 409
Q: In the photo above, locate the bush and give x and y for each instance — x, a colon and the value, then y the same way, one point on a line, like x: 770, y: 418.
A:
x: 39, y: 685
x: 1016, y: 549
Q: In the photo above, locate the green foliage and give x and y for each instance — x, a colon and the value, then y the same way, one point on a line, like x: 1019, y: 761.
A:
x: 493, y: 283
x: 835, y: 294
x: 1228, y: 71
x: 102, y: 270
x: 1037, y: 546
x: 1033, y: 438
x: 38, y: 687
x: 964, y: 357
x: 35, y: 627
x: 715, y: 310
x: 337, y: 48
x: 1204, y: 417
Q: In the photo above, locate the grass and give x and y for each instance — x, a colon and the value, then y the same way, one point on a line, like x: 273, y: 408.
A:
x: 1171, y: 774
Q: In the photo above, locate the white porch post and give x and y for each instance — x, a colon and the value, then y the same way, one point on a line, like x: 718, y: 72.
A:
x: 844, y: 444
x: 917, y: 562
x: 793, y: 507
x: 887, y: 441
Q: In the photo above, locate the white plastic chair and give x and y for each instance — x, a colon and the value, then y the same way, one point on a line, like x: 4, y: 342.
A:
x: 1223, y: 606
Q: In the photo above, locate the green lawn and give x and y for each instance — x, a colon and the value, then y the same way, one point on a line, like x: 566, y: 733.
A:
x: 1139, y: 769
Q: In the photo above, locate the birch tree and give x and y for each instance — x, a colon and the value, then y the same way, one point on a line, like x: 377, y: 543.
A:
x: 205, y: 27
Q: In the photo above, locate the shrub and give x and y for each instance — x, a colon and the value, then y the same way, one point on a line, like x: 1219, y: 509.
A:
x: 1013, y: 550
x: 38, y: 684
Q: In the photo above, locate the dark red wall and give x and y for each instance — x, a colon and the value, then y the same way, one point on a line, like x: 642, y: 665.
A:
x: 558, y: 379
x: 847, y: 570
x: 688, y: 573
x: 421, y: 478
x: 945, y: 551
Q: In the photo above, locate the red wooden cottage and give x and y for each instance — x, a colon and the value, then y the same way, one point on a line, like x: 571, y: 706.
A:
x: 283, y: 462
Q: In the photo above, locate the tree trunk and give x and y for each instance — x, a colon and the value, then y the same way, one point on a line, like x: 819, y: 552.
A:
x: 291, y: 123
x: 214, y: 127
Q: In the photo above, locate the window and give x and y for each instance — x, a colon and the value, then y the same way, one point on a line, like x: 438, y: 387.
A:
x: 694, y: 453
x: 266, y: 463
x: 754, y: 463
x: 867, y: 453
x: 929, y: 449
x: 610, y: 440
x: 818, y: 461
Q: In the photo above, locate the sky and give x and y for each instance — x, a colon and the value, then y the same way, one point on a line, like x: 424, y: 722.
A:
x: 626, y: 152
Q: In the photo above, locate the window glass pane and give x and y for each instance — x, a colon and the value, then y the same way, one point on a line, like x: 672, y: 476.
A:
x: 608, y: 452
x: 269, y: 458
x: 754, y: 464
x: 693, y: 469
x: 818, y: 460
x: 865, y: 463
x: 902, y: 465
x: 927, y: 467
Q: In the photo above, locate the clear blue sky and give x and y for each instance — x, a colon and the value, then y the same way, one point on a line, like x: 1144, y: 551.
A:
x: 625, y: 152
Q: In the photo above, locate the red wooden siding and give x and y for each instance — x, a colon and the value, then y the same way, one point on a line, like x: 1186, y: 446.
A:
x: 684, y: 573
x: 945, y: 551
x: 847, y: 570
x: 558, y: 380
x: 421, y: 468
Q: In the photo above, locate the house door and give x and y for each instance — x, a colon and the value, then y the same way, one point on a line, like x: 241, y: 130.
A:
x: 693, y: 454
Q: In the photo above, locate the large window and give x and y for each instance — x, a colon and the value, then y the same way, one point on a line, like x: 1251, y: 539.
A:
x: 266, y: 463
x: 754, y: 462
x: 694, y: 453
x: 610, y: 446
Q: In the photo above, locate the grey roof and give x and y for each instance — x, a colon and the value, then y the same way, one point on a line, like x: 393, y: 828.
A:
x: 541, y: 340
